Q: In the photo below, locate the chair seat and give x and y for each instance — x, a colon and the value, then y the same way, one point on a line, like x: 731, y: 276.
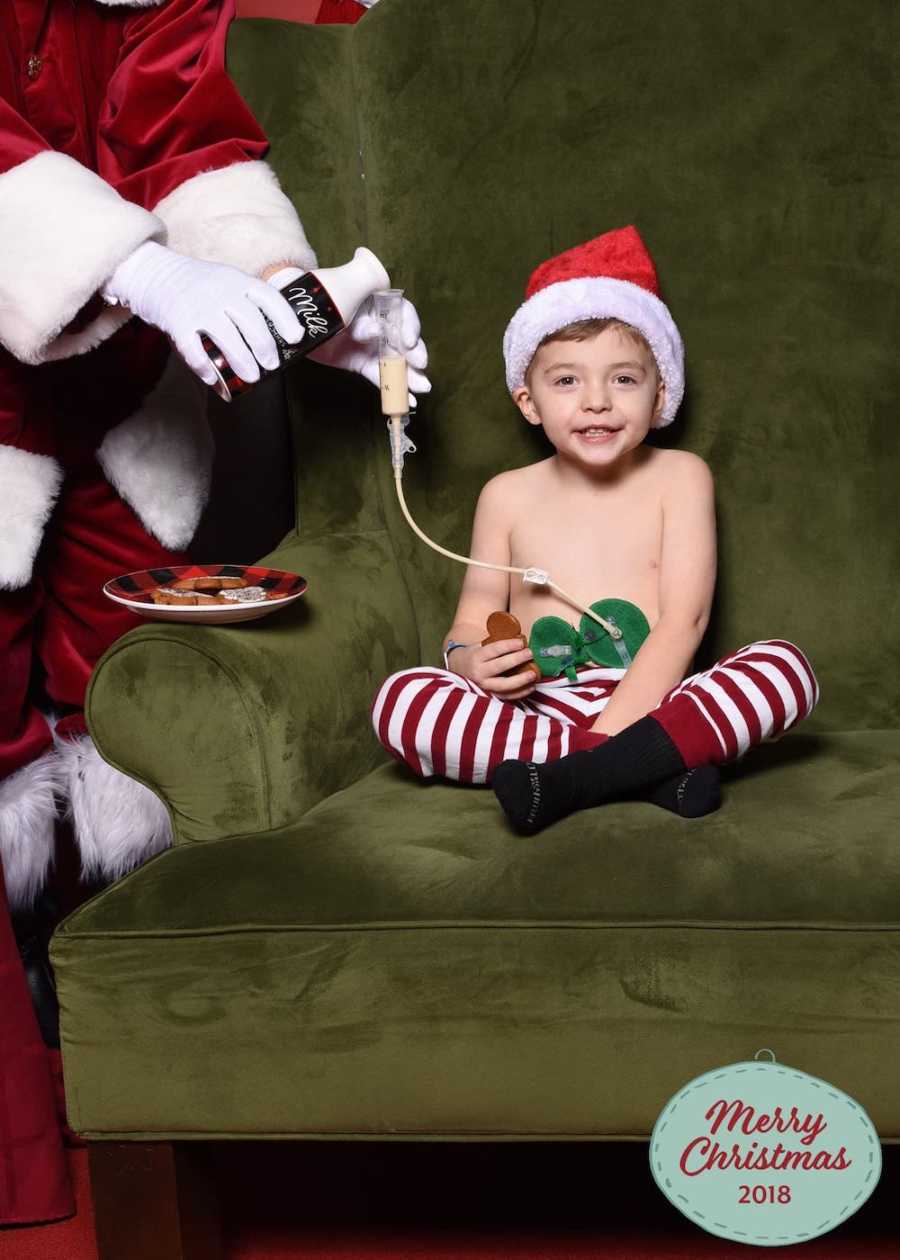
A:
x: 399, y: 964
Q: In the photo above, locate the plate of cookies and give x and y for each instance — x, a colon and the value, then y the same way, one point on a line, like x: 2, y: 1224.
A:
x: 214, y: 594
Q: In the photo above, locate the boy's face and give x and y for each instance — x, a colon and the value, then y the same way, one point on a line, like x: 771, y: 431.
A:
x: 596, y: 398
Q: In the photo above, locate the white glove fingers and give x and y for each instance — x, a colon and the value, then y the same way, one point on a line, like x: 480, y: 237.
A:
x: 412, y: 327
x: 419, y: 382
x: 255, y: 331
x: 191, y: 350
x: 184, y: 296
x: 279, y: 311
x: 235, y: 350
x: 417, y: 357
x: 364, y: 328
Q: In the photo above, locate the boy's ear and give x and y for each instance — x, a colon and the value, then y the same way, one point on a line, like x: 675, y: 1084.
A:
x: 523, y: 400
x: 660, y: 401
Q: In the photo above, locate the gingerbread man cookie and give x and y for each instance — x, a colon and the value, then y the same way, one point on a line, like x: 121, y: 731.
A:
x: 503, y: 625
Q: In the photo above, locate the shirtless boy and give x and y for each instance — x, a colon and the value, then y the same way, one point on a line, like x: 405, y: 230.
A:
x: 594, y: 357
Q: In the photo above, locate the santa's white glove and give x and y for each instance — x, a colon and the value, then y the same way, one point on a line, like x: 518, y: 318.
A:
x: 356, y: 348
x: 185, y: 297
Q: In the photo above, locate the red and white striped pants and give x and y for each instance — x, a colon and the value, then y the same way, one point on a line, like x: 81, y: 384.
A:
x: 442, y: 724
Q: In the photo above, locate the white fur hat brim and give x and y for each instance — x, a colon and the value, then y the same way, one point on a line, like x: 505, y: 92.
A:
x: 597, y: 297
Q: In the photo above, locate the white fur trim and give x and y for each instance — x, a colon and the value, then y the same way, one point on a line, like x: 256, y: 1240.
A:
x: 67, y: 345
x: 597, y: 297
x: 29, y: 485
x: 237, y: 215
x: 160, y: 458
x: 119, y: 823
x: 27, y: 828
x: 63, y: 231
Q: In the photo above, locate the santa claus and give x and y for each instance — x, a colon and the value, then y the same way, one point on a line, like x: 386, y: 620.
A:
x: 136, y: 209
x: 133, y: 181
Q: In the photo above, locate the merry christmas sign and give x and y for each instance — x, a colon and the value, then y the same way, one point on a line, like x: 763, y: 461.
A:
x: 764, y: 1154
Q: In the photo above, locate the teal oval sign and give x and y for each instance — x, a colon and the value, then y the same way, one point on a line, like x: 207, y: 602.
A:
x: 764, y: 1154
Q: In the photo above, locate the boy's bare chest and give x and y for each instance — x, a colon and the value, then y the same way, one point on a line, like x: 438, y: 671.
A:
x: 594, y: 550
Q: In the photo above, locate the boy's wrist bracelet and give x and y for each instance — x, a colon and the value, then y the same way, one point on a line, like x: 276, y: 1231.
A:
x: 449, y: 648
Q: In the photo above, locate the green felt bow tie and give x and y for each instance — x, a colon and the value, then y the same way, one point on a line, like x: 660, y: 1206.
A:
x: 558, y: 648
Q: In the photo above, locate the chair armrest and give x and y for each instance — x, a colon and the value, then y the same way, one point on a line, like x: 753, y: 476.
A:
x: 244, y: 728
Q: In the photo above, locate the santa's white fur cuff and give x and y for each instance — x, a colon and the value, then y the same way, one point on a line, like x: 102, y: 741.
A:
x: 118, y: 822
x: 63, y: 231
x: 29, y: 485
x: 237, y: 215
x: 160, y: 458
x: 597, y: 297
x: 27, y: 828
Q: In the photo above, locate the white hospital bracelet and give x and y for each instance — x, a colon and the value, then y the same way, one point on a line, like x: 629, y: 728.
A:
x: 449, y: 648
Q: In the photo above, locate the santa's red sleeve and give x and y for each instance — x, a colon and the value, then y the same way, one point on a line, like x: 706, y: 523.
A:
x: 177, y: 138
x: 63, y: 230
x: 179, y: 159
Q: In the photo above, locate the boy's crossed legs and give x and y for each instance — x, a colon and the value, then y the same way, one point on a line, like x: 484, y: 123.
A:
x: 550, y: 762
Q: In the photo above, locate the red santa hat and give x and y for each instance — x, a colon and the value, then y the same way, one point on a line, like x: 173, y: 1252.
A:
x: 610, y: 277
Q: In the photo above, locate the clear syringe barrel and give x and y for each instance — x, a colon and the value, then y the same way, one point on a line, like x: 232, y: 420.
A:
x: 392, y: 370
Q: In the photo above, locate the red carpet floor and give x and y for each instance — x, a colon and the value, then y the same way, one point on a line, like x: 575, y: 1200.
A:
x: 497, y: 1201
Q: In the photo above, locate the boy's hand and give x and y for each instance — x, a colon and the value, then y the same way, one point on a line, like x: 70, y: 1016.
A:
x: 485, y: 666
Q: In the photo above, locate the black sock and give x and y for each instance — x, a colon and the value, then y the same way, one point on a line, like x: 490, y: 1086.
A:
x: 534, y: 796
x: 690, y: 795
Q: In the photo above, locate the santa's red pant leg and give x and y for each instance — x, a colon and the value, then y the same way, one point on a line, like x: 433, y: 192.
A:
x: 69, y: 531
x: 34, y: 1183
x: 62, y: 622
x: 93, y: 536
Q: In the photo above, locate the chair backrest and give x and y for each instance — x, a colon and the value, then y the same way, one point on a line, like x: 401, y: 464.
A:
x: 754, y: 146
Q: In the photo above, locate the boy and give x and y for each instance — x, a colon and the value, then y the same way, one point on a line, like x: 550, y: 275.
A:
x: 594, y: 356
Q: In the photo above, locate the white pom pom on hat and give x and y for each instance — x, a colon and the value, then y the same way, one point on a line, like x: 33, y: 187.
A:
x: 610, y: 277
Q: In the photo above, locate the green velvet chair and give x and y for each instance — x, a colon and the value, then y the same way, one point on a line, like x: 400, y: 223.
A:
x: 335, y: 950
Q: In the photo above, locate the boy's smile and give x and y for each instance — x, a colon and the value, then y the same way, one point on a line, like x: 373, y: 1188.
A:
x: 596, y: 398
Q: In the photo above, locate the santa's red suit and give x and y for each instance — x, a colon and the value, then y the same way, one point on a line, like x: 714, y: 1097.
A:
x: 118, y: 125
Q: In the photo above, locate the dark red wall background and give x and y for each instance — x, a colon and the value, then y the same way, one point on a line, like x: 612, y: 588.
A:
x: 289, y: 10
x: 301, y: 10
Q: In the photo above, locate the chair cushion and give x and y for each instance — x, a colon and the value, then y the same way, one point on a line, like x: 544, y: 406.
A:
x: 400, y: 964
